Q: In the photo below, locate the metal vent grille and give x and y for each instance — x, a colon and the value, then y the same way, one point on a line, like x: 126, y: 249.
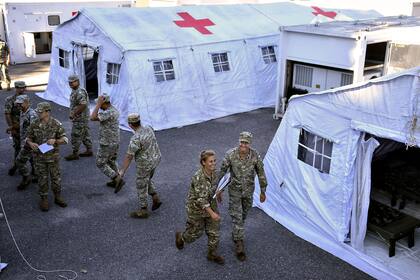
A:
x: 346, y: 79
x: 303, y: 75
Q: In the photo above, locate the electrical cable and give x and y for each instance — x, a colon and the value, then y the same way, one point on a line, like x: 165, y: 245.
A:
x: 39, y: 277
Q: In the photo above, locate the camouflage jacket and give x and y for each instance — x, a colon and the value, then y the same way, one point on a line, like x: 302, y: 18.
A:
x: 242, y: 171
x: 4, y: 52
x: 109, y: 131
x: 144, y: 147
x: 26, y: 118
x: 12, y: 109
x: 200, y: 196
x: 78, y: 97
x: 39, y: 133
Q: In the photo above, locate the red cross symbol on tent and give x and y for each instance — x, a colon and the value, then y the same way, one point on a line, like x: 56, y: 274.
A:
x: 319, y: 11
x: 198, y: 24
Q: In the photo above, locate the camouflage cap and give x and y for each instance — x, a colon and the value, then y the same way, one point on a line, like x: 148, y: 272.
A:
x: 21, y: 98
x: 245, y: 136
x: 73, y: 78
x: 106, y: 98
x: 20, y: 84
x: 133, y: 118
x: 42, y: 107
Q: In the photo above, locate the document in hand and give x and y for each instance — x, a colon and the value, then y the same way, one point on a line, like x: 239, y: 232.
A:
x: 223, y: 183
x: 45, y: 148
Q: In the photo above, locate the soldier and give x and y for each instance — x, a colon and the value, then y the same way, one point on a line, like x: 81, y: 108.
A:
x: 242, y: 162
x: 202, y: 213
x: 79, y: 115
x: 27, y: 116
x: 109, y: 139
x: 12, y: 114
x: 4, y: 63
x: 47, y: 129
x: 144, y: 149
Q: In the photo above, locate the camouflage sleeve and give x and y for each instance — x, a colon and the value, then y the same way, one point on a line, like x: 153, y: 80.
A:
x: 82, y: 97
x: 7, y: 107
x: 259, y: 168
x: 30, y: 133
x: 202, y: 193
x: 224, y: 168
x: 61, y: 133
x: 133, y: 146
x: 104, y: 115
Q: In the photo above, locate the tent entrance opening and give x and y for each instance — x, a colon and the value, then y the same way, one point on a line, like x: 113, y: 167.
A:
x: 90, y: 60
x: 394, y: 210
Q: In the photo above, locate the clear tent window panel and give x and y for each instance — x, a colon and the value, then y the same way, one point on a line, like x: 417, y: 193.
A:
x: 315, y: 151
x: 64, y: 58
x: 163, y: 70
x: 112, y: 73
x: 220, y: 62
x: 268, y: 54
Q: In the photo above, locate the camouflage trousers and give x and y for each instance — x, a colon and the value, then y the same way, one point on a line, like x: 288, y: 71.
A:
x: 106, y: 160
x: 144, y: 185
x: 22, y: 159
x: 48, y: 170
x: 80, y: 134
x: 239, y: 206
x: 196, y: 225
x: 5, y: 73
x: 16, y: 144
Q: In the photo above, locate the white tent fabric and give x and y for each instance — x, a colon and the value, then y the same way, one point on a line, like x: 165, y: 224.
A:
x: 137, y: 37
x: 317, y: 206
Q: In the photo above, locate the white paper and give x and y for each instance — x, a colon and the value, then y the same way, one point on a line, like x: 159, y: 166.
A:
x: 45, y: 148
x: 2, y: 266
x: 223, y: 183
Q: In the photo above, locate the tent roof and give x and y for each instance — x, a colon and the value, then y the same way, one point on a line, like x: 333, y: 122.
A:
x: 345, y: 89
x: 351, y: 29
x: 151, y: 28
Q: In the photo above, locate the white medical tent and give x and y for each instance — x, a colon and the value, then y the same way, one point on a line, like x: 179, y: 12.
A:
x: 317, y: 57
x: 318, y: 167
x: 152, y: 61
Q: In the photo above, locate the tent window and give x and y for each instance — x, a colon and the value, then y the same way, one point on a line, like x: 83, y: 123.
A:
x: 53, y: 20
x: 220, y: 62
x: 64, y: 58
x: 268, y: 54
x: 112, y: 73
x: 164, y: 70
x: 303, y: 76
x: 346, y: 79
x: 87, y: 53
x: 315, y: 151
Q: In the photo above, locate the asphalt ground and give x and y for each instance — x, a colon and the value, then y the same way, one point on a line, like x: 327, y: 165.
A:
x: 95, y: 236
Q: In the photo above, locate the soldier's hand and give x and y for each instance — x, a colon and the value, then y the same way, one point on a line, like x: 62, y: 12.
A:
x: 34, y: 146
x: 215, y: 217
x: 100, y: 100
x: 51, y: 142
x: 219, y: 196
x: 262, y: 197
x: 121, y: 172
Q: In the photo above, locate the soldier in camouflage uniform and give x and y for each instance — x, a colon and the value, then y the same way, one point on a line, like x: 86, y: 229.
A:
x: 27, y: 116
x: 47, y: 129
x: 202, y: 212
x: 144, y: 149
x: 4, y: 63
x: 243, y: 163
x: 79, y: 115
x: 109, y: 139
x: 12, y: 114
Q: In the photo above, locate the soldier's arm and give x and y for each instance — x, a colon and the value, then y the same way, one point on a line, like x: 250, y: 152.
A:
x: 224, y: 168
x: 60, y: 137
x: 131, y: 151
x: 96, y: 116
x: 29, y: 139
x: 262, y: 179
x: 82, y: 100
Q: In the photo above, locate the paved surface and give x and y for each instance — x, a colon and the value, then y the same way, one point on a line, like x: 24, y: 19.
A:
x: 34, y: 74
x: 95, y: 233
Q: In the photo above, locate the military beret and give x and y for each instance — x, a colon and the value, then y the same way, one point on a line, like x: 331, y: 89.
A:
x: 106, y: 98
x: 42, y: 107
x: 73, y: 78
x: 20, y: 84
x: 133, y: 118
x: 21, y: 98
x: 245, y: 136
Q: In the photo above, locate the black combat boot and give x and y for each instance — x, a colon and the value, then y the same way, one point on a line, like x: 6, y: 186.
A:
x: 213, y: 257
x: 179, y: 242
x: 59, y: 200
x: 111, y: 184
x: 72, y: 156
x: 240, y: 252
x: 87, y: 153
x: 43, y: 204
x: 26, y: 180
x: 119, y: 183
x: 156, y: 202
x: 142, y: 214
x: 12, y: 170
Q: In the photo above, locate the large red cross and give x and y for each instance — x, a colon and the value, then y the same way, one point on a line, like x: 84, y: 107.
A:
x: 319, y: 11
x: 198, y: 24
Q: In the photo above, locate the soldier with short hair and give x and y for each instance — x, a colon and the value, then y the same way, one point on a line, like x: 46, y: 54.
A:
x: 109, y: 139
x: 243, y: 163
x: 144, y: 149
x: 202, y: 212
x: 27, y: 116
x: 4, y: 63
x: 79, y: 115
x: 47, y: 130
x: 12, y: 115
